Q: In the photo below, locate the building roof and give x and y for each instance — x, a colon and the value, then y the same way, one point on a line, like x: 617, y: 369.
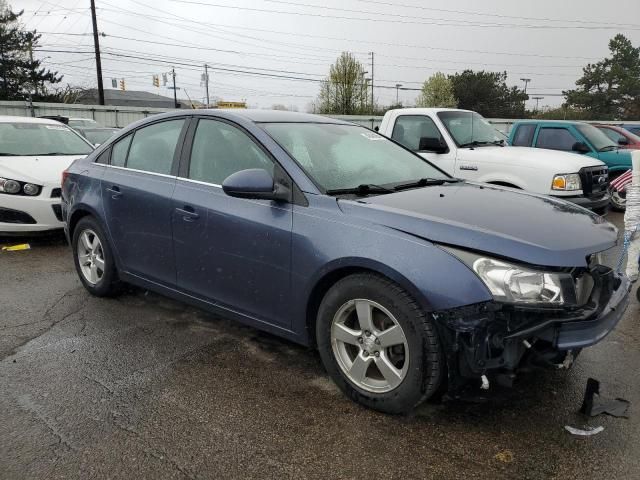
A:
x: 137, y: 98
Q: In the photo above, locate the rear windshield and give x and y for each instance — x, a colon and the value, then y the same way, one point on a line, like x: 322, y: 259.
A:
x: 29, y: 139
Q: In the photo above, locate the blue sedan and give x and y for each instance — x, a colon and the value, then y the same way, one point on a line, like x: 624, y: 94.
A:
x: 408, y: 281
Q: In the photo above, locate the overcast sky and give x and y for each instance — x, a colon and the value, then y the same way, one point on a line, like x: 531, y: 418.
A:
x: 548, y: 41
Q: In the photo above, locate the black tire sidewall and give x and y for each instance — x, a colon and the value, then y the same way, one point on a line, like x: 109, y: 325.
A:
x: 107, y: 284
x: 424, y: 375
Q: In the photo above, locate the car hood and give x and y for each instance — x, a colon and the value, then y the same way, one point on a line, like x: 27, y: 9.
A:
x: 560, y: 162
x: 43, y: 170
x: 619, y: 157
x: 525, y: 227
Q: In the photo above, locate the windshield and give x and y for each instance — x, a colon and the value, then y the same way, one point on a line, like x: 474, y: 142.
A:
x: 596, y: 137
x: 82, y: 122
x: 469, y: 128
x: 98, y: 137
x: 29, y: 139
x: 346, y: 156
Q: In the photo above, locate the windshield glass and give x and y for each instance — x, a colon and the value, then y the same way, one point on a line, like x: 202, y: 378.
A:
x: 345, y: 156
x: 30, y: 139
x: 469, y: 127
x: 98, y: 137
x: 82, y: 122
x: 596, y: 137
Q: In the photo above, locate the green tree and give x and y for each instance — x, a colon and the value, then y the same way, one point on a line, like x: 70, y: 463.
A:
x: 610, y: 89
x: 344, y: 91
x: 488, y: 94
x: 437, y: 91
x: 20, y: 74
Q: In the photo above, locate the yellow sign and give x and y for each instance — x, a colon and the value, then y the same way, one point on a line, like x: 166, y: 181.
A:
x: 231, y: 104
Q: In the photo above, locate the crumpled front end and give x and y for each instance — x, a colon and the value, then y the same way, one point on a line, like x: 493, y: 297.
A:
x: 498, y: 340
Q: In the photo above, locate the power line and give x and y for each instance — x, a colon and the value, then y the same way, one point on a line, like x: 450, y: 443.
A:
x: 436, y: 22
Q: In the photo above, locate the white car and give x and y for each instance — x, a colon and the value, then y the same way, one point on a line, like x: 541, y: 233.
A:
x: 33, y: 154
x: 465, y: 145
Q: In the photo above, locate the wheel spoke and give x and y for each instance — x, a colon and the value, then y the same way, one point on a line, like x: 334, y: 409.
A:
x: 390, y: 373
x: 99, y: 263
x: 365, y: 315
x: 358, y: 370
x: 93, y: 273
x: 83, y: 260
x: 346, y: 334
x: 391, y: 336
x: 95, y: 243
x: 86, y: 243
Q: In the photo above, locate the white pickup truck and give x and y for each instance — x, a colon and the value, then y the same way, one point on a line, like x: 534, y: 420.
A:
x: 465, y: 145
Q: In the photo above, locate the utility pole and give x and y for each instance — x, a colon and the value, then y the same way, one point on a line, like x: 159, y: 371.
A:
x: 398, y: 85
x: 537, y: 99
x: 206, y: 82
x: 96, y: 45
x: 372, y: 106
x: 175, y: 91
x: 526, y: 82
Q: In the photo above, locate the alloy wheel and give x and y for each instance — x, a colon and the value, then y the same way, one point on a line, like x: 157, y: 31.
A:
x: 90, y: 256
x: 370, y: 346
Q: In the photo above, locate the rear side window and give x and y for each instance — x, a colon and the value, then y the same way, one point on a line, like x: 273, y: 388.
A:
x: 409, y: 129
x: 523, y: 135
x: 153, y: 147
x: 556, y: 139
x: 220, y: 149
x: 119, y: 151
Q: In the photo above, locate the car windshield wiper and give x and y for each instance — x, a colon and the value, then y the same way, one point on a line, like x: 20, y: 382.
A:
x: 425, y: 182
x: 361, y: 190
x: 477, y: 143
x: 609, y: 148
x: 50, y: 154
x: 5, y: 154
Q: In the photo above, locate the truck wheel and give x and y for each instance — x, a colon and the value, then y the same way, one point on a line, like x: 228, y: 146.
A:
x: 93, y: 258
x: 378, y: 344
x: 618, y: 199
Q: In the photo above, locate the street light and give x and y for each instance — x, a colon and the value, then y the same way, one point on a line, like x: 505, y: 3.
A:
x: 398, y: 85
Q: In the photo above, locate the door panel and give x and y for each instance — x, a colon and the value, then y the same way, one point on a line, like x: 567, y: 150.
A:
x: 230, y: 251
x: 137, y: 207
x: 137, y: 190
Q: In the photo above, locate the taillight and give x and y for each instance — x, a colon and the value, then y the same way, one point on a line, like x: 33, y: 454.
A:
x: 65, y: 174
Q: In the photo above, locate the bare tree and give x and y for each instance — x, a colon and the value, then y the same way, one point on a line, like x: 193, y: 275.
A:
x: 344, y: 91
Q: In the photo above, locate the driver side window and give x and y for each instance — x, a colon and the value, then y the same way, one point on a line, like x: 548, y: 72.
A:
x: 409, y: 129
x: 220, y: 149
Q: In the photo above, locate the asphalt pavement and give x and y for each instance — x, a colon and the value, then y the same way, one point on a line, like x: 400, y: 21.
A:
x: 140, y: 386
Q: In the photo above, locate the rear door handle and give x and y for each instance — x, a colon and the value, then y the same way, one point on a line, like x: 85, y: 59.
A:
x: 115, y: 192
x: 188, y: 213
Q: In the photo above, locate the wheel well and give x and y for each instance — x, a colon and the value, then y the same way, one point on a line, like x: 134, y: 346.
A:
x: 75, y: 218
x: 505, y: 184
x: 320, y: 290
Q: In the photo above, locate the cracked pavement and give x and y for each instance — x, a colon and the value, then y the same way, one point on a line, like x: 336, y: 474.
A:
x: 140, y: 386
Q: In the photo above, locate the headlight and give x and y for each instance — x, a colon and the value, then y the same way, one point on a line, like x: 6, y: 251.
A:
x: 512, y: 283
x: 9, y: 186
x: 567, y: 182
x: 31, y: 189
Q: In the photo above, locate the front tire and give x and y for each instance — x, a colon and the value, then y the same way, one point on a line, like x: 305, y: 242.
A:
x: 93, y: 258
x: 378, y: 344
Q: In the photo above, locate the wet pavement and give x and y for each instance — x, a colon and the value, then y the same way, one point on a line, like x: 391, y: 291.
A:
x: 144, y: 387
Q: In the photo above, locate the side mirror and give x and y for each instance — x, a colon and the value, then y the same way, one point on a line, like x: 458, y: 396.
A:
x: 580, y: 147
x: 623, y: 141
x: 433, y: 144
x: 255, y: 183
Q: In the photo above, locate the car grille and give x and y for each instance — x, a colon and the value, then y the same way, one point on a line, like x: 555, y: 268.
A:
x: 57, y: 211
x: 15, y: 216
x: 56, y: 193
x: 595, y: 181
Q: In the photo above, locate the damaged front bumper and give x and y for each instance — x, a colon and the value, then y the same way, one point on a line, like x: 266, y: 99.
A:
x: 502, y: 339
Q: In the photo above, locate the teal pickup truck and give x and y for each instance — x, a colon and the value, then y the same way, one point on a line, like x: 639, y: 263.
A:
x: 579, y: 137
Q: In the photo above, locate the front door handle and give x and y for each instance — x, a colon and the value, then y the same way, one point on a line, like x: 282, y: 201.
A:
x: 115, y: 192
x: 188, y: 213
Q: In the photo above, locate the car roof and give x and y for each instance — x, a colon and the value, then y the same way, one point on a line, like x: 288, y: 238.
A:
x: 552, y: 122
x: 16, y: 119
x: 423, y: 110
x: 271, y: 116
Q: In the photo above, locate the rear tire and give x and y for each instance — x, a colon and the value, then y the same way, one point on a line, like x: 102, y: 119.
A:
x: 93, y: 258
x: 378, y: 345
